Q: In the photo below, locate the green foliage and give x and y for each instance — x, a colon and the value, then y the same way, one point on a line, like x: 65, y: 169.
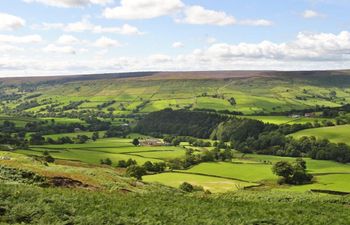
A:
x: 48, y: 158
x: 187, y: 187
x: 31, y: 205
x: 20, y: 176
x: 154, y: 167
x: 180, y: 123
x: 136, y: 171
x: 292, y: 174
x: 106, y: 161
x: 135, y: 142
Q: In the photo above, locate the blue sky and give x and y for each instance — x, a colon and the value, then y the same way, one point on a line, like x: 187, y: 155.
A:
x: 50, y: 37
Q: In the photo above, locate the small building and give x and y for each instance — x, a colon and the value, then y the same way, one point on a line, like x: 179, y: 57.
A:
x: 310, y: 115
x: 151, y: 142
x: 295, y: 116
x: 76, y: 130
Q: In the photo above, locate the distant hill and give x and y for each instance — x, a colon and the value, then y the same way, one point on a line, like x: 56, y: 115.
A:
x: 184, y: 75
x: 247, y: 92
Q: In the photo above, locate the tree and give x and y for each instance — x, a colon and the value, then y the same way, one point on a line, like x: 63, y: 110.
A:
x: 300, y: 163
x: 148, y: 166
x: 37, y: 139
x: 131, y: 162
x: 106, y: 161
x: 136, y: 171
x: 81, y: 139
x: 122, y: 164
x: 48, y: 158
x: 187, y: 187
x: 136, y: 142
x: 283, y: 169
x: 95, y: 136
x: 292, y: 174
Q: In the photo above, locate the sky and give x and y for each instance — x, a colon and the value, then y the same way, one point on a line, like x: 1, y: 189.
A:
x: 62, y: 37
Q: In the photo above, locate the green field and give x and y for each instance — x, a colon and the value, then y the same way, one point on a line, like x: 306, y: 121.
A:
x: 114, y: 148
x: 284, y: 119
x: 240, y: 171
x: 213, y: 184
x: 336, y: 134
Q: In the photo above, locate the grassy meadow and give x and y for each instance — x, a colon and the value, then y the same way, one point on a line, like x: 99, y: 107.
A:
x: 336, y: 134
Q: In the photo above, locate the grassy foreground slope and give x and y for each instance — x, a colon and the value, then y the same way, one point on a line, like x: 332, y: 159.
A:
x: 30, y: 205
x: 336, y: 134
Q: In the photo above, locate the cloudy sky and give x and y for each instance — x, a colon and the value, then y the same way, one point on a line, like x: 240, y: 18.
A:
x: 52, y: 37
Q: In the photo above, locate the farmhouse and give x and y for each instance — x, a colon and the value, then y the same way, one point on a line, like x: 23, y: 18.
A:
x: 310, y: 114
x: 151, y: 142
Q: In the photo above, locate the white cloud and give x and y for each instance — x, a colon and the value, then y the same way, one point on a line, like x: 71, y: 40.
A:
x: 196, y: 14
x: 199, y: 15
x: 104, y: 42
x: 70, y: 3
x: 307, y: 46
x: 260, y: 22
x: 28, y: 39
x: 87, y: 26
x: 5, y: 48
x: 126, y: 29
x: 309, y: 14
x: 143, y: 9
x: 67, y: 40
x: 10, y: 22
x: 59, y: 49
x: 178, y: 45
x: 159, y: 58
x: 308, y: 51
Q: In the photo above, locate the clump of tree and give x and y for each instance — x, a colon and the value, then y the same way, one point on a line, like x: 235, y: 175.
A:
x: 192, y: 159
x: 232, y: 101
x: 48, y: 158
x: 106, y: 161
x: 180, y: 123
x: 127, y: 163
x: 176, y: 140
x: 95, y: 136
x: 72, y: 105
x: 295, y: 173
x: 187, y: 187
x: 136, y: 171
x: 117, y: 131
x: 106, y: 104
x: 136, y: 142
x: 157, y: 167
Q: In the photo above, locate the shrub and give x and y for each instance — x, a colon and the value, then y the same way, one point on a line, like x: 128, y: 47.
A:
x: 136, y: 171
x: 187, y: 187
x: 106, y: 161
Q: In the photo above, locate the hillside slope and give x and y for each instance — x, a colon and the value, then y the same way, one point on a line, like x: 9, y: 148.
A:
x: 248, y: 92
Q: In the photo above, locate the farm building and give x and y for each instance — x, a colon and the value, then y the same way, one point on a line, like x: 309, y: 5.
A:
x: 151, y: 142
x: 310, y: 114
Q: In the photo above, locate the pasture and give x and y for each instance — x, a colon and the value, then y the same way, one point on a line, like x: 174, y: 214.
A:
x: 336, y: 134
x: 284, y: 119
x: 213, y: 184
x: 114, y: 148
